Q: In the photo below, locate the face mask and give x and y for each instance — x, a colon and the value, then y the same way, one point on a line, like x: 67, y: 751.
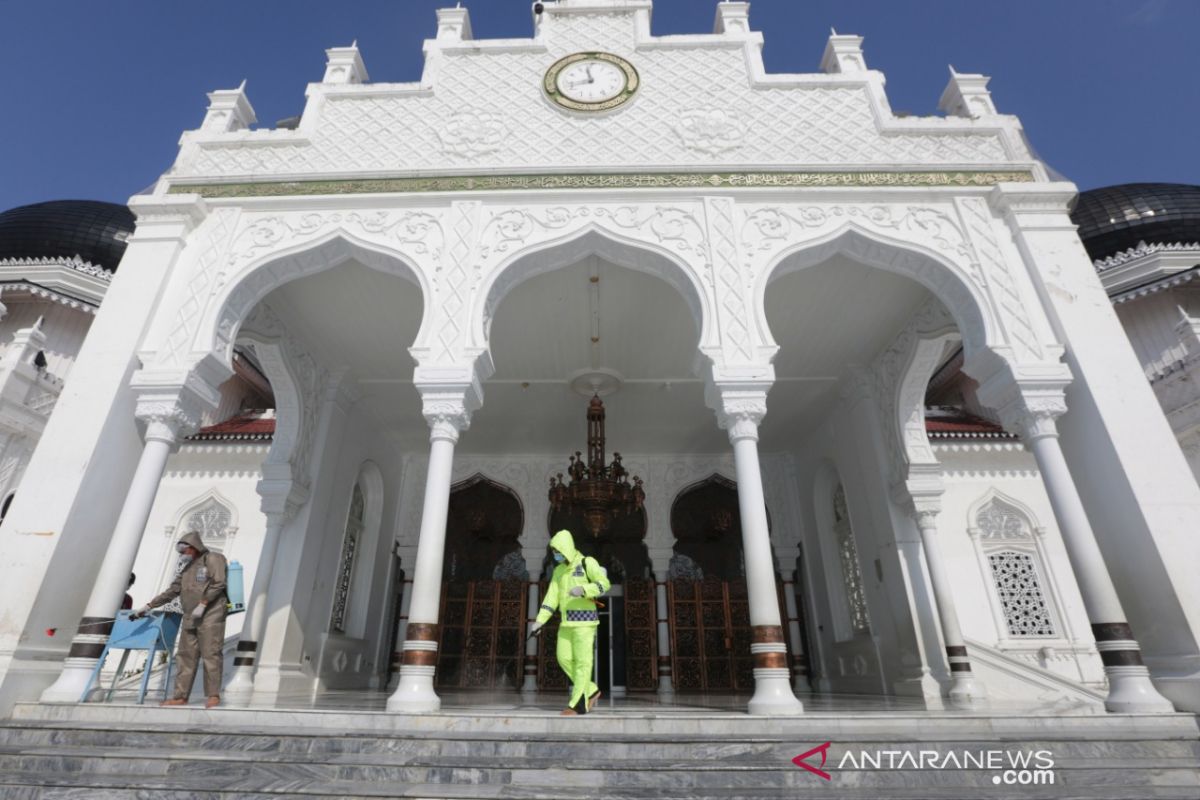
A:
x: 559, y: 558
x: 180, y: 547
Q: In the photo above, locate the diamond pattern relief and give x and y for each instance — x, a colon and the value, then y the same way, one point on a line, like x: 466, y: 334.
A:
x: 792, y: 126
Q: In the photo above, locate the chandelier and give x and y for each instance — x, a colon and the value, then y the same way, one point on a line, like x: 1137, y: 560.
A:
x: 597, y: 492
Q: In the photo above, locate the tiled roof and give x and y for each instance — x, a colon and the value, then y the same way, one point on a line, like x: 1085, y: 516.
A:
x: 946, y: 422
x: 941, y: 422
x: 255, y: 425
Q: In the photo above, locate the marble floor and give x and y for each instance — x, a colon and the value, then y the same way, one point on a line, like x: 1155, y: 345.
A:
x: 514, y: 703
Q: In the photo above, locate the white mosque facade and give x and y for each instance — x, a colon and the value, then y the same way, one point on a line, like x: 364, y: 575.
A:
x: 893, y: 438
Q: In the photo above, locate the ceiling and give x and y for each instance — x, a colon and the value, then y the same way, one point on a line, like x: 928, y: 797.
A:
x: 824, y: 319
x: 598, y: 315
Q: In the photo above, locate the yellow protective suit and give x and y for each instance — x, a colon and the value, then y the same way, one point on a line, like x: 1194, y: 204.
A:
x: 577, y: 632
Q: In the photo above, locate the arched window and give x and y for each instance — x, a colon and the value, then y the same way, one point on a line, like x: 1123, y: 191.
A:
x: 355, y: 524
x: 213, y: 521
x: 856, y: 598
x: 1009, y: 546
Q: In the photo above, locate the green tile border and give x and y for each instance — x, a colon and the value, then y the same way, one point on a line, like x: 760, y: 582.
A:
x: 616, y: 180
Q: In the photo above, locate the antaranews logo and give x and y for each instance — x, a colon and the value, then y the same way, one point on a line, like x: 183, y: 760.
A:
x: 1011, y: 767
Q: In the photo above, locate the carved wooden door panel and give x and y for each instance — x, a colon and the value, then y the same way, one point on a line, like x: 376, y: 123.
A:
x: 481, y: 635
x: 711, y: 635
x: 641, y: 636
x: 550, y: 676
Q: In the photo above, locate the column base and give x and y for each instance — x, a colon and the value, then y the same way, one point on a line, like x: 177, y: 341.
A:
x: 773, y: 693
x: 1130, y: 691
x: 530, y: 685
x: 1177, y: 678
x: 76, y: 678
x: 665, y: 688
x: 240, y: 689
x: 967, y: 693
x: 414, y: 693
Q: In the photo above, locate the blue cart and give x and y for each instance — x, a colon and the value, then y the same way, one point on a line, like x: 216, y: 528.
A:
x: 154, y: 632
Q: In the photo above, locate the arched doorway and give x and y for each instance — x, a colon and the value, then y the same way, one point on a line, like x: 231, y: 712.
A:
x: 707, y: 602
x: 625, y: 641
x: 483, y: 589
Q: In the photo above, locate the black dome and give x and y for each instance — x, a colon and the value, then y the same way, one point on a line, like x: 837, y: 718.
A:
x: 1116, y: 218
x: 90, y: 229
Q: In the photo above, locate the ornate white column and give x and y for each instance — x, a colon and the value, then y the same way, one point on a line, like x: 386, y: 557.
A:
x: 799, y: 657
x: 279, y: 512
x: 1032, y: 412
x: 408, y: 555
x: 447, y: 409
x: 168, y: 415
x: 740, y: 408
x: 661, y: 562
x: 965, y: 690
x: 533, y: 564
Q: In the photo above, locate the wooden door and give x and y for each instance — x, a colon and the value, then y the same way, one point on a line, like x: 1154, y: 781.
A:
x: 481, y: 635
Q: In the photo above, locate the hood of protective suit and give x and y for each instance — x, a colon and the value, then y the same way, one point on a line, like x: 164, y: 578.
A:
x: 564, y: 543
x: 193, y: 538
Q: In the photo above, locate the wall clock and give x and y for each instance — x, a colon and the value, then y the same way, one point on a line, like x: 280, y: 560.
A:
x: 591, y: 81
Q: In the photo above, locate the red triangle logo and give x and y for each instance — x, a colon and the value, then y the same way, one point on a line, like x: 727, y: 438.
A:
x: 823, y: 749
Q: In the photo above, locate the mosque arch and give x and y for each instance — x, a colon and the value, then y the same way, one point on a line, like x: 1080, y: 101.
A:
x: 592, y: 240
x: 961, y: 296
x: 229, y: 310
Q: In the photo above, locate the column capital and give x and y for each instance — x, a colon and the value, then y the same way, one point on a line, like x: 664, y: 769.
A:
x: 741, y: 414
x: 1028, y: 399
x: 925, y: 516
x: 449, y: 395
x: 740, y: 402
x: 172, y: 402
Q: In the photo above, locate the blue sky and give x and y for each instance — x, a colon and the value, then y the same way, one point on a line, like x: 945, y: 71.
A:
x: 96, y: 93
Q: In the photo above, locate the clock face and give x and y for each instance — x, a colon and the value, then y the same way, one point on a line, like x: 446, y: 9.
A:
x: 591, y: 81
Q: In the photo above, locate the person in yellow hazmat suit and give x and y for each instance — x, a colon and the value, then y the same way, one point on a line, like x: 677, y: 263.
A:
x: 574, y: 586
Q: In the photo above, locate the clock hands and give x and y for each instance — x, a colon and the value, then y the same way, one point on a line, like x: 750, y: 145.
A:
x: 590, y: 78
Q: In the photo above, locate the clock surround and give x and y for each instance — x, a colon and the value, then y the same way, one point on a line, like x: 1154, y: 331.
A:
x: 550, y: 84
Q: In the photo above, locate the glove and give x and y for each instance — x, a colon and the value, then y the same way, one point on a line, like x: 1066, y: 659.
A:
x: 198, y: 612
x: 139, y: 613
x: 576, y: 591
x: 537, y: 628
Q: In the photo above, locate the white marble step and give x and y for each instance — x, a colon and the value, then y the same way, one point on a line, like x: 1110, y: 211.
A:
x: 387, y: 748
x: 823, y: 726
x: 98, y: 751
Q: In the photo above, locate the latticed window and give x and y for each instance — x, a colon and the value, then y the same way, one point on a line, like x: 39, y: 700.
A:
x: 354, y: 530
x: 1021, y: 598
x: 856, y: 599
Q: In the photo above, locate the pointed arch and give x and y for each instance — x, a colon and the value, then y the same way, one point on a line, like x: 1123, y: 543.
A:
x: 1024, y: 593
x: 252, y: 282
x: 962, y: 297
x: 1009, y: 507
x: 484, y: 521
x: 212, y: 511
x: 592, y: 239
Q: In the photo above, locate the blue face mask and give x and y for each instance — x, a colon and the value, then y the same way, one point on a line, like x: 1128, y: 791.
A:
x: 559, y: 558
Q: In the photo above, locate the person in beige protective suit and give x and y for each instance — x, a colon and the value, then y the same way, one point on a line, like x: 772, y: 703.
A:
x: 200, y: 588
